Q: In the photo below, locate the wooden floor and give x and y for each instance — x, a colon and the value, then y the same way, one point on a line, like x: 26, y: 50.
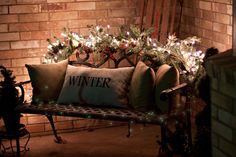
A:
x: 104, y: 142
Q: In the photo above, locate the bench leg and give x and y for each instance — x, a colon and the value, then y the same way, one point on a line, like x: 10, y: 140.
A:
x: 58, y: 138
x: 163, y: 150
x: 176, y: 138
x: 189, y: 131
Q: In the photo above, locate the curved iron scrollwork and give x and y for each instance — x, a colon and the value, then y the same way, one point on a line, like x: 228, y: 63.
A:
x: 85, y: 59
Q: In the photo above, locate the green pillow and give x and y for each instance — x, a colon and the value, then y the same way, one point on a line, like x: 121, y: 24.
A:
x: 47, y: 80
x: 142, y: 87
x: 93, y: 86
x: 166, y: 77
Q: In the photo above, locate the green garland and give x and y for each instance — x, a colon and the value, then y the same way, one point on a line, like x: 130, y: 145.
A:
x: 101, y: 42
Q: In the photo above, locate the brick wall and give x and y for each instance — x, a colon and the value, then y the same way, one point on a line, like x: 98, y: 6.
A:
x: 26, y: 24
x: 211, y: 20
x: 221, y: 69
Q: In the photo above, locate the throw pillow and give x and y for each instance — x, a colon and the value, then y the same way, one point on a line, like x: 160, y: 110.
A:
x: 92, y: 86
x: 47, y: 80
x: 142, y: 87
x: 166, y: 77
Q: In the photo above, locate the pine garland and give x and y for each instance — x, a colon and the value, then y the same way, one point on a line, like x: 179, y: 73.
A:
x: 101, y: 42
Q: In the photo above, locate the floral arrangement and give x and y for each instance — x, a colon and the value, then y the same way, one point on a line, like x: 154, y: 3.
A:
x: 179, y: 53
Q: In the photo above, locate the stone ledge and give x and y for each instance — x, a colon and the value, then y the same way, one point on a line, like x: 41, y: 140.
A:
x: 222, y: 67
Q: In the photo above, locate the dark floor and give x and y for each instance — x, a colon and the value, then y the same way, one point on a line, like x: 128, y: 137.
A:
x: 104, y: 142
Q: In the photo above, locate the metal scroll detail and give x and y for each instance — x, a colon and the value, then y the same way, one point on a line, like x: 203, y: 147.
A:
x: 86, y: 58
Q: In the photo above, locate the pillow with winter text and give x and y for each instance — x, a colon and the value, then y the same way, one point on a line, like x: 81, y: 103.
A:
x: 92, y: 86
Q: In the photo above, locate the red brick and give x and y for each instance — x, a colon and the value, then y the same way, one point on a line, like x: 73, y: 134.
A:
x: 33, y: 17
x: 208, y: 34
x: 222, y: 18
x: 224, y: 1
x: 122, y: 12
x: 221, y: 47
x: 229, y: 30
x: 23, y: 120
x: 80, y: 23
x: 63, y: 15
x: 8, y: 18
x: 84, y: 31
x: 3, y: 28
x: 219, y: 37
x: 219, y: 7
x: 92, y: 14
x: 23, y: 61
x: 6, y: 63
x: 9, y: 36
x: 43, y: 43
x: 17, y: 71
x: 37, y: 119
x: 207, y: 15
x: 132, y: 21
x: 111, y: 4
x: 53, y: 25
x: 60, y: 126
x: 24, y: 9
x: 205, y: 5
x: 25, y: 44
x: 3, y: 9
x: 206, y: 42
x: 7, y: 2
x: 115, y: 30
x: 47, y: 7
x: 54, y: 1
x: 83, y: 123
x: 34, y: 52
x: 21, y: 53
x: 22, y: 78
x: 36, y: 128
x: 204, y: 24
x: 57, y: 32
x: 62, y: 118
x: 34, y: 35
x: 218, y: 27
x: 9, y: 54
x: 4, y: 46
x: 229, y: 10
x: 111, y: 21
x: 64, y: 125
x: 81, y: 6
x: 24, y: 27
x: 31, y: 1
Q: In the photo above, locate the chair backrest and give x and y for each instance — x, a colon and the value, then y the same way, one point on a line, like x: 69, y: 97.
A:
x: 162, y: 15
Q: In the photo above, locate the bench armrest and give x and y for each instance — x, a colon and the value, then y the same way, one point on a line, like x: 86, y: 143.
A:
x: 165, y: 94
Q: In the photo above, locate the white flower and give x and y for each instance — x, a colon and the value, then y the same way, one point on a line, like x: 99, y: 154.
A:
x: 75, y: 36
x: 75, y: 43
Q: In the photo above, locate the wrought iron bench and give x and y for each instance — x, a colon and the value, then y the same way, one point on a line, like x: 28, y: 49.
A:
x: 180, y: 115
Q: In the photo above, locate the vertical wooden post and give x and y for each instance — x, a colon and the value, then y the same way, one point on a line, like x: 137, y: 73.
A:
x: 234, y: 28
x: 143, y: 7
